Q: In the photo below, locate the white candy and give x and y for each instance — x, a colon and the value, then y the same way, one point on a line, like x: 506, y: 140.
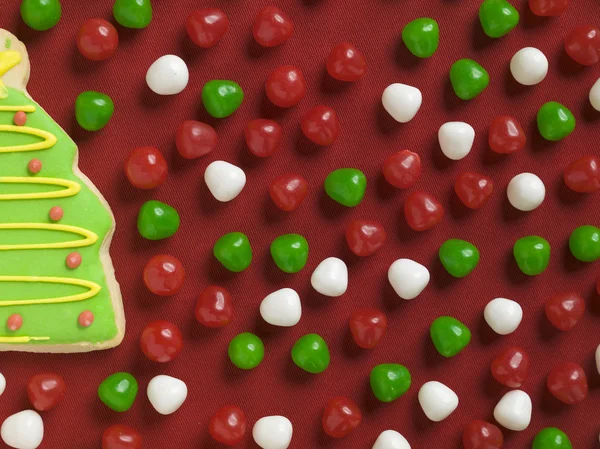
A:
x: 281, y: 308
x: 456, y: 139
x: 408, y: 278
x: 330, y: 278
x: 390, y: 439
x: 529, y: 66
x: 526, y: 191
x: 598, y: 359
x: 437, y: 400
x: 503, y: 315
x: 166, y: 394
x: 224, y: 180
x: 2, y: 384
x: 273, y: 432
x: 402, y: 102
x: 23, y: 430
x: 168, y: 75
x: 595, y: 95
x: 514, y: 410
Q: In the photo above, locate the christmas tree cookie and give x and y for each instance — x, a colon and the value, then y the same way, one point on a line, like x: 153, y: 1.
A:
x: 58, y: 292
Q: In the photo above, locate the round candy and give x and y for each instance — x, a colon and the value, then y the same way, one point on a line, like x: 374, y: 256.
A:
x: 503, y: 315
x: 74, y: 260
x: 281, y: 308
x: 97, y: 39
x: 368, y: 326
x: 437, y: 401
x: 408, y: 278
x: 497, y: 17
x: 422, y: 211
x: 246, y: 351
x: 133, y: 13
x: 224, y: 180
x: 583, y: 174
x: 421, y: 37
x: 20, y: 118
x: 273, y: 432
x: 511, y: 367
x: 311, y: 354
x: 168, y: 75
x: 206, y: 27
x: 228, y: 425
x: 118, y: 391
x: 146, y: 168
x: 526, y: 192
x: 473, y: 189
x: 458, y: 257
x: 551, y: 438
x: 532, y: 254
x: 401, y: 101
x: 364, y: 237
x: 506, y: 135
x: 290, y: 252
x: 166, y: 394
x: 567, y: 383
x: 341, y: 416
x: 456, y: 139
x: 513, y: 411
x: 56, y: 213
x: 221, y: 98
x: 583, y: 44
x: 119, y: 436
x: 161, y: 341
x: 468, y: 78
x: 390, y: 439
x: 555, y: 121
x: 529, y: 66
x: 449, y: 335
x: 482, y: 435
x: 234, y: 252
x: 45, y: 391
x: 93, y: 110
x: 330, y: 278
x: 164, y: 275
x: 564, y: 310
x: 214, y: 307
x: 285, y: 86
x: 346, y: 186
x: 34, y: 166
x: 346, y: 63
x: 23, y: 430
x: 272, y: 27
x: 584, y: 243
x: 548, y: 8
x: 288, y: 191
x: 85, y: 319
x: 402, y: 169
x: 41, y: 15
x: 14, y: 322
x: 595, y: 95
x: 321, y: 125
x: 389, y: 381
x: 195, y: 139
x: 263, y: 137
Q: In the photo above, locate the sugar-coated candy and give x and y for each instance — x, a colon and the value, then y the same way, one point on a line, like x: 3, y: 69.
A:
x: 402, y: 102
x: 482, y: 435
x: 449, y: 336
x: 273, y: 432
x: 390, y: 439
x: 368, y: 326
x: 346, y: 63
x: 346, y: 186
x: 513, y: 411
x: 41, y: 15
x: 228, y: 425
x: 290, y: 252
x: 584, y: 243
x: 456, y: 139
x: 164, y: 275
x: 281, y: 308
x: 93, y: 110
x: 532, y: 254
x: 288, y: 191
x: 97, y: 39
x: 119, y: 436
x: 473, y: 189
x: 224, y: 180
x: 511, y: 367
x: 234, y: 252
x: 146, y: 168
x: 118, y: 391
x: 340, y: 417
x: 497, y: 17
x: 214, y: 307
x: 595, y: 95
x: 526, y: 192
x: 45, y: 391
x: 402, y: 169
x: 458, y: 257
x: 221, y: 98
x: 133, y: 13
x: 548, y: 7
x: 246, y: 351
x: 564, y: 310
x: 206, y: 27
x: 389, y: 381
x: 161, y: 341
x: 551, y: 438
x: 168, y: 75
x: 506, y: 135
x: 157, y: 220
x: 365, y: 237
x: 422, y: 211
x: 568, y: 383
x: 311, y: 354
x: 408, y: 278
x: 263, y: 137
x: 272, y: 27
x: 468, y: 78
x: 529, y: 66
x: 285, y: 86
x: 503, y: 315
x: 583, y: 44
x: 195, y: 139
x: 23, y: 430
x: 321, y: 125
x: 421, y: 37
x: 583, y: 174
x: 330, y: 278
x: 166, y: 394
x: 2, y: 383
x: 555, y: 121
x: 437, y: 400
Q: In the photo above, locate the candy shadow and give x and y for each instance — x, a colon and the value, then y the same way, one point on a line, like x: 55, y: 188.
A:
x: 350, y: 348
x: 369, y: 403
x: 383, y: 189
x: 479, y: 39
x: 330, y: 209
x: 81, y: 65
x: 131, y: 195
x: 384, y: 121
x: 566, y: 195
x: 313, y: 299
x: 330, y: 85
x: 271, y: 213
x: 456, y: 207
x: 588, y: 113
x: 537, y: 143
x: 306, y: 147
x: 179, y: 164
x: 439, y: 159
x: 206, y: 201
x: 511, y: 86
x: 390, y: 301
x: 419, y: 419
x: 485, y: 333
x: 404, y: 58
x: 271, y: 272
x: 295, y: 374
x: 490, y: 387
x: 265, y: 330
x: 509, y: 212
x: 451, y: 100
x: 78, y: 134
x: 268, y: 110
x: 322, y: 439
x: 230, y: 372
x: 593, y: 302
x: 570, y: 264
x: 531, y: 21
x: 489, y: 157
x: 432, y: 358
x: 545, y: 328
x: 196, y: 332
x: 512, y: 271
x: 150, y: 100
x: 254, y: 49
x: 190, y: 52
x: 548, y: 403
x: 217, y: 273
x: 566, y: 65
x: 439, y: 276
x: 245, y: 158
x: 404, y: 232
x: 592, y: 373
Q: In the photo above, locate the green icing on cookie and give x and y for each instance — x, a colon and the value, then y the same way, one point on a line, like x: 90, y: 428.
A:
x: 7, y: 43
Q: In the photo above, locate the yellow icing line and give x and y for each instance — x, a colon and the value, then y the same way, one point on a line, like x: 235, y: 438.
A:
x: 72, y: 189
x: 48, y: 142
x: 25, y: 108
x: 23, y: 339
x: 90, y: 237
x: 93, y: 290
x: 8, y: 60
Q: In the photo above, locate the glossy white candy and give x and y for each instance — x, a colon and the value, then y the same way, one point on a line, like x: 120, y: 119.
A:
x: 23, y: 430
x: 456, y: 139
x: 503, y: 315
x: 2, y: 384
x: 514, y: 410
x: 526, y: 191
x: 408, y: 278
x: 224, y: 180
x: 166, y: 394
x: 598, y: 359
x: 390, y: 439
x: 595, y: 95
x: 437, y: 400
x: 273, y: 432
x: 330, y: 278
x: 168, y: 75
x: 402, y: 102
x: 529, y: 66
x: 281, y: 308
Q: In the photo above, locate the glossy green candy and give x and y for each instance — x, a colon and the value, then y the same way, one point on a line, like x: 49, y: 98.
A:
x: 133, y: 13
x: 551, y: 438
x: 389, y: 381
x: 532, y: 254
x: 118, y: 391
x: 41, y: 15
x: 221, y: 98
x: 290, y: 252
x: 93, y: 110
x: 498, y: 17
x: 233, y: 250
x: 468, y: 79
x: 555, y: 121
x: 246, y: 351
x: 157, y: 220
x: 585, y: 243
x: 311, y: 354
x: 347, y: 186
x: 449, y: 335
x: 421, y: 37
x: 458, y: 257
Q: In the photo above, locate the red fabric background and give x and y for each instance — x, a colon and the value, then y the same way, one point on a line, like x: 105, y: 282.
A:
x: 59, y: 74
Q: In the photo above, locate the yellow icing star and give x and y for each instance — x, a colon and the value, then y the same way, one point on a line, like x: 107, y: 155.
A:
x: 8, y: 60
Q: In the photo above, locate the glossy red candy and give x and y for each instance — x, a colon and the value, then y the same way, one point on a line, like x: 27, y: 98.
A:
x: 341, y: 416
x: 272, y: 27
x: 321, y: 125
x: 119, y: 436
x: 564, y: 310
x: 548, y: 7
x: 146, y: 168
x: 511, y: 367
x: 288, y: 191
x: 206, y: 27
x: 364, y: 237
x: 214, y: 307
x: 161, y: 341
x: 473, y: 189
x: 195, y: 139
x: 422, y: 211
x: 164, y: 275
x: 567, y: 382
x: 583, y: 44
x: 482, y: 435
x: 583, y: 175
x: 263, y: 137
x: 97, y: 39
x: 368, y: 326
x: 45, y: 391
x: 402, y: 169
x: 228, y: 425
x: 506, y: 135
x: 286, y: 86
x: 346, y: 63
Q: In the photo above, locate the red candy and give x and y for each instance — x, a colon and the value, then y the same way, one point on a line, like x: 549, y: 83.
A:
x: 34, y: 166
x: 583, y: 44
x: 548, y: 7
x: 164, y: 275
x: 564, y: 310
x: 511, y: 367
x: 45, y: 391
x: 341, y: 416
x: 14, y: 322
x: 272, y: 27
x: 73, y: 260
x: 346, y: 63
x: 402, y: 169
x: 422, y: 211
x: 482, y: 435
x: 86, y: 318
x: 368, y: 326
x: 286, y: 86
x: 365, y: 237
x: 146, y: 168
x: 473, y: 189
x: 161, y: 341
x: 321, y: 125
x: 206, y: 27
x: 263, y: 137
x: 20, y: 118
x: 56, y: 213
x: 214, y: 307
x: 567, y: 382
x: 195, y: 139
x: 583, y: 175
x: 506, y: 135
x: 288, y: 191
x: 119, y: 436
x: 97, y: 39
x: 228, y: 425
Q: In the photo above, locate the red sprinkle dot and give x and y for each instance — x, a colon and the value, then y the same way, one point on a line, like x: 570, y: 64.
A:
x: 34, y: 166
x: 56, y: 213
x: 73, y: 260
x: 86, y: 318
x: 20, y: 118
x: 14, y: 322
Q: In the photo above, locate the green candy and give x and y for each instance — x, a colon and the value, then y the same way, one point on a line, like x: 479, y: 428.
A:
x: 449, y: 335
x: 157, y: 220
x: 551, y: 438
x: 233, y: 250
x: 290, y: 252
x: 555, y: 121
x: 41, y: 15
x: 246, y: 351
x: 311, y: 354
x: 421, y: 37
x: 93, y: 110
x: 532, y: 254
x: 118, y: 391
x: 584, y: 243
x: 222, y: 98
x: 346, y: 186
x: 498, y: 17
x: 133, y: 13
x: 389, y: 381
x: 468, y: 79
x: 458, y: 257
